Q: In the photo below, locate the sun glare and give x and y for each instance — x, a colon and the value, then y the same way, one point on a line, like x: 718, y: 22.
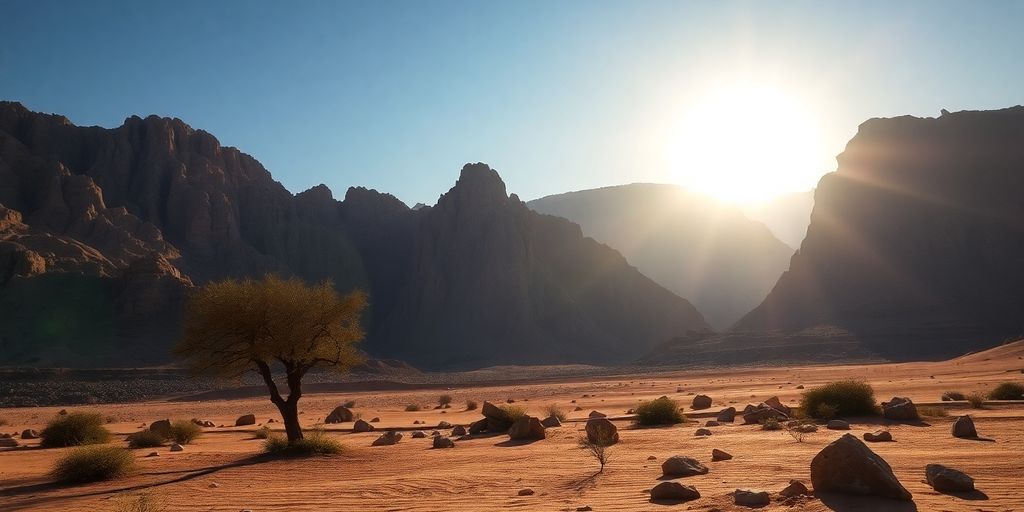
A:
x: 746, y: 143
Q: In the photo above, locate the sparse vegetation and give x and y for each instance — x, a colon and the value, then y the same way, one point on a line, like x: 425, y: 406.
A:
x: 932, y: 412
x: 599, y: 449
x: 514, y: 411
x: 263, y: 432
x: 444, y: 400
x: 471, y: 405
x: 953, y: 395
x: 849, y: 398
x: 556, y: 411
x: 798, y: 429
x: 3, y: 422
x: 73, y: 429
x: 93, y: 464
x: 1007, y: 391
x: 145, y: 439
x: 139, y: 503
x: 413, y: 408
x: 977, y: 400
x: 825, y: 412
x: 661, y: 411
x: 771, y: 424
x: 184, y: 431
x: 316, y: 442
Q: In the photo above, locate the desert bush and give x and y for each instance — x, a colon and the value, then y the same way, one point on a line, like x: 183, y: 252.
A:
x: 953, y: 395
x: 184, y: 431
x: 825, y: 412
x: 138, y: 503
x: 73, y: 429
x: 145, y: 439
x: 849, y: 397
x: 556, y: 411
x: 771, y: 424
x: 514, y: 411
x: 977, y: 400
x: 932, y: 412
x: 471, y: 405
x: 1007, y: 391
x: 350, y: 404
x: 599, y: 449
x: 444, y: 400
x: 796, y: 429
x: 92, y: 464
x: 413, y: 408
x: 263, y: 432
x: 661, y: 411
x: 316, y: 442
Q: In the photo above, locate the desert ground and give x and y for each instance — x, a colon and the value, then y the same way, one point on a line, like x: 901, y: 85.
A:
x: 223, y: 471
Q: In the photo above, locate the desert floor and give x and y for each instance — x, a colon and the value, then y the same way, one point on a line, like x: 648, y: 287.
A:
x: 486, y: 473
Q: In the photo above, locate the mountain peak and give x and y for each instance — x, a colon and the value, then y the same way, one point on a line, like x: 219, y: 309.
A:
x: 478, y: 186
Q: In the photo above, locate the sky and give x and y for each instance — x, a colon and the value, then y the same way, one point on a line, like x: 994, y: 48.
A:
x: 555, y: 95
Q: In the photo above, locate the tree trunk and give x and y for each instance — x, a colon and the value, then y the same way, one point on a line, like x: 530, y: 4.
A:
x: 289, y: 408
x: 290, y: 414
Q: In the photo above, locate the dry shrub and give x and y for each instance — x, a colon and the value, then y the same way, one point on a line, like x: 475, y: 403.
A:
x: 73, y: 429
x: 93, y: 464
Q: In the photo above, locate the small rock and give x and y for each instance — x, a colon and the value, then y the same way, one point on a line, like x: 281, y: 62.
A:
x: 596, y: 414
x: 700, y: 402
x: 717, y: 455
x: 213, y: 485
x: 749, y: 498
x: 375, y: 420
x: 443, y: 442
x: 340, y: 414
x: 177, y: 448
x: 680, y: 466
x: 8, y: 442
x: 964, y: 428
x: 435, y: 433
x: 444, y: 424
x: 525, y: 492
x: 837, y: 425
x: 29, y: 434
x: 651, y: 457
x: 247, y: 419
x: 459, y: 430
x: 944, y: 479
x: 577, y: 409
x: 711, y: 423
x: 584, y: 508
x: 388, y: 438
x: 727, y: 415
x: 702, y: 432
x: 419, y: 434
x: 153, y: 454
x: 674, y: 491
x: 878, y: 437
x: 801, y: 386
x: 362, y: 426
x: 551, y: 421
x: 900, y: 408
x: 795, y: 488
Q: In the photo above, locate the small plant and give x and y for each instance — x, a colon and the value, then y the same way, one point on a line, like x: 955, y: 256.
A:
x: 316, y: 442
x: 145, y: 439
x: 471, y: 405
x: 771, y: 424
x: 977, y: 400
x: 139, y: 503
x: 950, y: 396
x: 599, y: 449
x: 444, y: 400
x: 661, y: 411
x: 1007, y: 391
x: 350, y: 404
x: 73, y: 429
x: 184, y: 431
x: 826, y: 412
x: 932, y: 412
x: 849, y: 397
x: 514, y: 412
x: 412, y: 408
x: 556, y: 411
x: 799, y: 429
x: 263, y: 432
x: 93, y: 464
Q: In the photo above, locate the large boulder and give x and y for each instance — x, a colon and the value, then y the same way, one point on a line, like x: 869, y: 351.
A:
x: 900, y: 409
x: 497, y: 419
x: 964, y: 427
x: 678, y: 466
x: 848, y: 466
x: 340, y: 414
x: 774, y: 403
x: 247, y: 419
x: 388, y: 438
x: 674, y: 491
x: 526, y: 428
x: 728, y: 414
x: 362, y: 426
x: 162, y: 427
x: 29, y: 434
x: 762, y: 413
x: 945, y: 479
x: 700, y: 402
x: 602, y: 431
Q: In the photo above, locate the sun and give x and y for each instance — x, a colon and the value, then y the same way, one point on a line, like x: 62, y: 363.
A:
x: 745, y: 143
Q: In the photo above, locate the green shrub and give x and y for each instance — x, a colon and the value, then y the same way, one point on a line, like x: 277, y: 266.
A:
x: 184, y: 431
x: 825, y: 411
x: 412, y: 408
x: 953, y: 395
x: 556, y: 411
x: 662, y: 411
x: 92, y: 464
x: 771, y: 424
x: 514, y: 411
x: 145, y: 439
x: 977, y: 400
x: 314, y: 443
x: 848, y: 397
x: 444, y: 400
x: 263, y: 432
x: 471, y: 405
x: 73, y: 429
x: 1007, y: 391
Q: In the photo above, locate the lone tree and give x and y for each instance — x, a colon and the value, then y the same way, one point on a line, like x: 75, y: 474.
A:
x: 272, y: 325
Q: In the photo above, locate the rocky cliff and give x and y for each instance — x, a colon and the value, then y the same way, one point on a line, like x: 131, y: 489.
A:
x: 916, y: 242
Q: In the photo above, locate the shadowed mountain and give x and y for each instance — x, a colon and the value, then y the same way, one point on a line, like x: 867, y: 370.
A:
x: 916, y: 242
x: 700, y: 249
x: 787, y: 216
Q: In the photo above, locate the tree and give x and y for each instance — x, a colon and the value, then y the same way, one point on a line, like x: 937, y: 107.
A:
x: 598, y: 448
x: 233, y: 327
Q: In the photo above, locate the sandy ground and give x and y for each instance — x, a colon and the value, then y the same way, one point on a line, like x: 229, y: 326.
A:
x: 486, y: 473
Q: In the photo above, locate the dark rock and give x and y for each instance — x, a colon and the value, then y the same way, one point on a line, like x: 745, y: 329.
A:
x: 878, y: 437
x: 795, y: 488
x: 727, y: 415
x: 674, y: 491
x: 944, y: 479
x: 388, y: 438
x: 596, y: 414
x: 701, y: 402
x: 748, y: 498
x: 702, y: 432
x: 362, y: 426
x: 443, y: 442
x: 848, y: 466
x: 774, y: 403
x: 964, y: 427
x: 29, y: 434
x: 717, y: 455
x: 551, y: 421
x: 459, y: 430
x: 525, y: 492
x: 680, y: 466
x: 602, y: 431
x: 837, y: 425
x: 418, y: 434
x: 246, y: 419
x: 900, y: 409
x: 526, y: 428
x: 340, y: 414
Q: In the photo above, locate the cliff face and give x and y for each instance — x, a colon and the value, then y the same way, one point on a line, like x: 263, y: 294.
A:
x: 702, y: 250
x: 103, y: 232
x: 915, y: 243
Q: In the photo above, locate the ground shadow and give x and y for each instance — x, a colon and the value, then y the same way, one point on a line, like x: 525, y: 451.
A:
x: 878, y: 420
x: 668, y: 502
x: 979, y: 438
x: 583, y: 483
x: 850, y: 503
x: 516, y: 442
x: 974, y: 495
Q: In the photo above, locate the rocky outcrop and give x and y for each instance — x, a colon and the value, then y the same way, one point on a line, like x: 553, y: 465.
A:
x: 848, y: 466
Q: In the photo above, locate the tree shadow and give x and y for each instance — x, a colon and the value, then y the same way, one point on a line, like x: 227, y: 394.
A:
x: 583, y: 483
x: 851, y: 503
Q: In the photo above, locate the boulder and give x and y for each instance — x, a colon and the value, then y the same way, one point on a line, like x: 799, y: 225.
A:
x: 748, y: 498
x: 679, y: 466
x: 419, y: 434
x: 551, y: 421
x: 340, y: 414
x: 177, y: 448
x: 762, y: 413
x: 711, y: 423
x: 362, y: 426
x: 674, y: 491
x: 717, y: 455
x: 848, y: 466
x: 727, y: 415
x: 601, y: 431
x: 596, y: 414
x: 795, y: 488
x: 526, y: 428
x: 497, y: 419
x: 944, y: 479
x: 702, y: 432
x: 837, y: 425
x: 388, y: 438
x: 162, y: 427
x: 964, y: 427
x: 478, y: 426
x: 8, y: 442
x: 444, y: 424
x: 774, y: 403
x: 525, y: 492
x: 900, y: 409
x: 880, y: 436
x: 443, y: 442
x: 459, y: 430
x: 247, y: 419
x: 29, y: 434
x: 700, y: 402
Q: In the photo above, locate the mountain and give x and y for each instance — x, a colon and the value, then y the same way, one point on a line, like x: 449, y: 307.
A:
x: 104, y: 231
x: 916, y: 242
x: 708, y: 252
x: 787, y: 216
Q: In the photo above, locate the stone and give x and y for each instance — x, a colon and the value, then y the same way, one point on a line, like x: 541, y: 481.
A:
x: 674, y: 491
x: 375, y: 420
x: 717, y: 455
x: 443, y: 442
x: 435, y: 433
x: 526, y: 428
x: 246, y: 419
x: 497, y: 419
x: 152, y: 454
x: 162, y: 427
x: 774, y: 403
x: 727, y: 415
x: 602, y: 431
x: 848, y: 466
x: 388, y: 438
x: 880, y: 436
x: 945, y: 479
x: 340, y: 414
x: 478, y: 426
x: 443, y: 425
x: 29, y: 434
x: 963, y: 427
x: 900, y: 409
x: 748, y: 498
x: 804, y: 428
x: 459, y: 430
x: 681, y: 466
x: 795, y: 488
x: 700, y: 402
x: 551, y: 421
x: 362, y: 426
x: 419, y: 434
x: 711, y: 423
x: 8, y: 442
x: 213, y: 485
x: 596, y: 414
x: 702, y: 432
x: 177, y: 448
x: 837, y: 425
x: 762, y: 413
x: 525, y: 492
x: 584, y: 508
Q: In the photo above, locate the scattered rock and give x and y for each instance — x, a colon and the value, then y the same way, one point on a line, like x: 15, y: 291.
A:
x: 247, y: 419
x: 848, y: 466
x: 762, y: 413
x: 419, y: 434
x: 748, y: 498
x: 702, y: 432
x: 8, y: 442
x: 435, y: 434
x: 577, y: 409
x: 900, y: 409
x: 727, y: 415
x: 880, y: 436
x: 963, y: 427
x: 213, y: 485
x: 944, y: 479
x: 774, y: 403
x: 651, y: 457
x: 362, y: 426
x: 526, y: 428
x: 444, y: 424
x: 177, y: 448
x: 837, y: 425
x: 551, y: 421
x: 600, y: 430
x: 29, y: 434
x: 340, y: 414
x: 525, y: 492
x: 162, y: 427
x: 801, y: 386
x: 388, y: 438
x: 375, y: 420
x: 584, y: 508
x: 153, y: 454
x: 478, y: 426
x: 674, y: 491
x: 678, y: 465
x: 717, y: 455
x: 795, y: 488
x: 497, y: 419
x: 700, y: 402
x: 596, y: 414
x: 711, y: 423
x: 443, y: 442
x: 459, y: 430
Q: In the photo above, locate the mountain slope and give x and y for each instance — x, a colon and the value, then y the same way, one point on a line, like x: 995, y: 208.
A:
x: 707, y: 252
x: 916, y: 243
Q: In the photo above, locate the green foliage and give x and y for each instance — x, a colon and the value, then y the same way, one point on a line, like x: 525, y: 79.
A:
x: 184, y: 431
x: 444, y: 400
x: 1007, y: 391
x: 662, y: 411
x: 556, y: 411
x: 953, y: 395
x: 263, y: 432
x: 313, y: 443
x: 977, y: 400
x: 514, y: 411
x: 471, y: 405
x: 145, y: 439
x: 413, y: 408
x: 771, y: 424
x: 825, y: 411
x: 848, y: 397
x: 93, y: 464
x: 73, y: 429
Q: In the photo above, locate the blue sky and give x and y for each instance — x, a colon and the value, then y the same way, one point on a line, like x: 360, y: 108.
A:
x: 558, y: 95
